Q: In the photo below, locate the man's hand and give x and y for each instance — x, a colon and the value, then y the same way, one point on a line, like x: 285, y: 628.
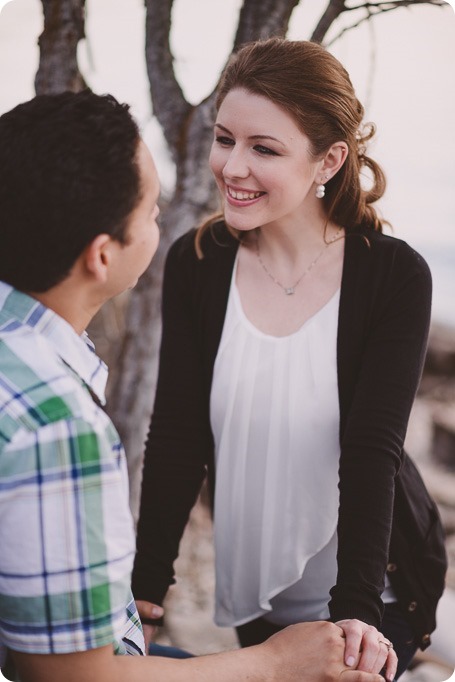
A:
x: 147, y: 612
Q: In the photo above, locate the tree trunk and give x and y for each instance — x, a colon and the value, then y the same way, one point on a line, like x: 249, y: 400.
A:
x: 188, y: 131
x: 132, y: 392
x: 63, y: 29
x: 331, y: 13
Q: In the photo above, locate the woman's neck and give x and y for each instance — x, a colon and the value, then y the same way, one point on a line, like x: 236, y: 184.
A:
x: 293, y: 243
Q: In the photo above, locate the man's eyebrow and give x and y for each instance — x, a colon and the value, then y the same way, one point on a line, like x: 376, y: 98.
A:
x: 251, y: 137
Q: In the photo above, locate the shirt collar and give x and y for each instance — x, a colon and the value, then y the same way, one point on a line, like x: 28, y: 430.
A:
x: 78, y: 352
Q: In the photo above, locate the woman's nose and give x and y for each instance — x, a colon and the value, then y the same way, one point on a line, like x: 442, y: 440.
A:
x: 236, y: 165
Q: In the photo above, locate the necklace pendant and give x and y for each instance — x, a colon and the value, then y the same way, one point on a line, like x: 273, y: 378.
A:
x: 289, y: 291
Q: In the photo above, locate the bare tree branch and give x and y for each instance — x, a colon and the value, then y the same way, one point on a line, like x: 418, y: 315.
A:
x: 63, y: 29
x: 396, y: 4
x: 169, y: 104
x: 260, y: 19
x: 337, y: 7
x: 374, y: 9
x: 331, y: 13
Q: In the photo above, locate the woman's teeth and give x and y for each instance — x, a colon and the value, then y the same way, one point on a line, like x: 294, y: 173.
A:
x: 243, y: 196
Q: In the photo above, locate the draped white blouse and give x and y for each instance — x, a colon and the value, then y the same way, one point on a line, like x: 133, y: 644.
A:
x: 275, y: 420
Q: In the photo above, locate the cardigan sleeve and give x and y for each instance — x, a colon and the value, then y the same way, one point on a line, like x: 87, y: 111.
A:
x: 179, y: 440
x: 383, y: 379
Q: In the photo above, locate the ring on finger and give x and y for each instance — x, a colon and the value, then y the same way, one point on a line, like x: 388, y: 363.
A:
x: 389, y: 645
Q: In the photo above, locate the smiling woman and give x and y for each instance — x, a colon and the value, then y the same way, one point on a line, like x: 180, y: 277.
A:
x: 266, y: 173
x: 294, y: 335
x: 269, y: 165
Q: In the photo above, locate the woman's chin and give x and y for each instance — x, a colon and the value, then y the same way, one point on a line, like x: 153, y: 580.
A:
x: 240, y: 225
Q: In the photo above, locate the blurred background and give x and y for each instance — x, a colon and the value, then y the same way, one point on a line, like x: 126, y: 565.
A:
x: 402, y: 66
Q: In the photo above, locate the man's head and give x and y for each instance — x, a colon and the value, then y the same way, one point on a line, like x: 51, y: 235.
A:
x: 69, y: 171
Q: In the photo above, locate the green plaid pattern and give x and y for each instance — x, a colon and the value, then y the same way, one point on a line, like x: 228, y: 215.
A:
x: 67, y: 538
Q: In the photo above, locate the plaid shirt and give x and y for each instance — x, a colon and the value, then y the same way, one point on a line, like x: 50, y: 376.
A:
x: 66, y: 533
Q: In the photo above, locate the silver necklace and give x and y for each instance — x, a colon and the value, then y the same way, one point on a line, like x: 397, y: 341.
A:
x: 291, y: 290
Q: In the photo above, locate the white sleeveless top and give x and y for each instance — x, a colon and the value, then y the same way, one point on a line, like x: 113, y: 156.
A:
x: 275, y: 420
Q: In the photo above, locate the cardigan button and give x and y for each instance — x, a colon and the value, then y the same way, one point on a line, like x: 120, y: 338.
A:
x: 391, y: 568
x: 412, y: 606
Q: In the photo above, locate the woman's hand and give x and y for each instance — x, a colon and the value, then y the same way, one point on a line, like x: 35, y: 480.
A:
x: 148, y: 612
x: 368, y: 646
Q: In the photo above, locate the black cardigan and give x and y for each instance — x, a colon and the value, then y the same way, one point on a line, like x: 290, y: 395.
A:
x: 383, y: 326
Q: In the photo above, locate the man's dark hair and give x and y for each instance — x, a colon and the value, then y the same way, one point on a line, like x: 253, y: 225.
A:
x: 68, y: 172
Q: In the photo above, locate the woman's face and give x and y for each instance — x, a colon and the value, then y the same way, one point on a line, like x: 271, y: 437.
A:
x: 262, y: 163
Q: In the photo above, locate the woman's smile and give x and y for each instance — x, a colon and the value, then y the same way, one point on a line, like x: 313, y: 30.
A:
x: 261, y: 159
x: 242, y: 197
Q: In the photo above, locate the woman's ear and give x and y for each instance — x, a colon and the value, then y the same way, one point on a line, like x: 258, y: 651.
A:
x: 333, y: 160
x: 97, y: 256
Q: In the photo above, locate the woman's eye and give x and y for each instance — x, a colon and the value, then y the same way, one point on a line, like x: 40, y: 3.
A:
x: 225, y: 141
x: 265, y: 150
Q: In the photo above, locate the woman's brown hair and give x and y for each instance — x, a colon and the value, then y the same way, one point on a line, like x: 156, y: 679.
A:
x: 315, y: 89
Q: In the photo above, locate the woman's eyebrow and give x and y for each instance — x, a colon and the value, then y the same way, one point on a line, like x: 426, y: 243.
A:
x: 250, y: 137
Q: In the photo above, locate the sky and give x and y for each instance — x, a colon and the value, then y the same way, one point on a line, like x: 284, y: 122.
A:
x: 401, y: 65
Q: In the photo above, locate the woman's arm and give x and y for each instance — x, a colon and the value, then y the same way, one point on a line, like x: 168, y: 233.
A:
x: 179, y: 441
x: 387, y: 375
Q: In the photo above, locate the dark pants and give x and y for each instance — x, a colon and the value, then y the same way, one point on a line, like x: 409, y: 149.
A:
x: 394, y: 627
x: 167, y: 651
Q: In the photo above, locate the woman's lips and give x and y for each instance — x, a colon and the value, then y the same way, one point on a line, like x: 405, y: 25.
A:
x: 242, y: 197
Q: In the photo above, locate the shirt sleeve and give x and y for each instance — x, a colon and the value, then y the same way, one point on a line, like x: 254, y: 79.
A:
x: 179, y: 441
x: 384, y: 385
x: 66, y: 537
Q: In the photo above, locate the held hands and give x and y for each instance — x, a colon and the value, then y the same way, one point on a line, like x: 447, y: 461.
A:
x: 148, y: 612
x: 311, y: 651
x: 351, y: 650
x: 374, y: 649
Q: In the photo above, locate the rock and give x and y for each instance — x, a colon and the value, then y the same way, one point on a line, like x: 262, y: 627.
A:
x: 418, y: 436
x: 448, y: 519
x: 442, y: 648
x: 440, y: 483
x: 450, y: 580
x: 189, y: 605
x: 427, y: 672
x: 443, y: 440
x: 440, y: 358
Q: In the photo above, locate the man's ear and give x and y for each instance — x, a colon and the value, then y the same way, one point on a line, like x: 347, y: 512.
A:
x: 97, y: 256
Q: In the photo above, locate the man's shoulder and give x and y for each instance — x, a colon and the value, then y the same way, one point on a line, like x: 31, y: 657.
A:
x: 35, y: 387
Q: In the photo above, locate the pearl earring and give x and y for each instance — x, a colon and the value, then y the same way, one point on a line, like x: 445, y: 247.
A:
x: 320, y: 189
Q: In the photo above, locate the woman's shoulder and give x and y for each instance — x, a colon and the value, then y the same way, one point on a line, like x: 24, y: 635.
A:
x: 215, y: 240
x: 386, y: 251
